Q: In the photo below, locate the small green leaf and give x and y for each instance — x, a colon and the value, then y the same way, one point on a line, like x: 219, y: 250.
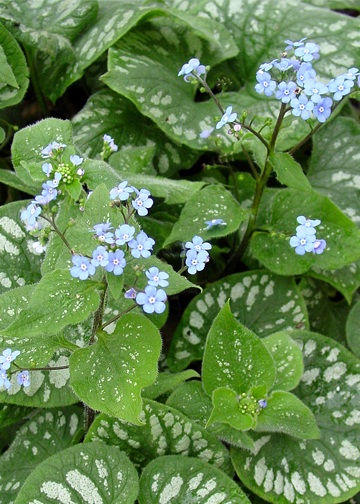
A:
x: 167, y: 381
x: 235, y: 357
x: 7, y: 75
x: 288, y: 360
x: 227, y: 410
x: 74, y: 189
x: 212, y: 202
x: 47, y: 433
x: 117, y: 367
x: 91, y: 472
x: 166, y: 431
x: 289, y: 172
x: 57, y: 300
x: 115, y: 283
x: 11, y: 414
x: 181, y: 480
x: 286, y: 413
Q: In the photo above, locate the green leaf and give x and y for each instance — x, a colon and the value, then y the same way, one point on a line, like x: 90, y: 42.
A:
x: 273, y: 250
x: 11, y: 179
x: 125, y: 362
x: 284, y: 469
x: 263, y: 302
x: 166, y: 431
x: 172, y: 108
x: 129, y: 129
x: 179, y: 479
x: 346, y: 280
x: 91, y: 472
x: 11, y: 414
x: 19, y: 261
x: 14, y: 79
x: 57, y: 300
x: 289, y: 172
x: 30, y: 141
x: 134, y: 160
x: 353, y: 329
x: 334, y: 168
x: 235, y: 357
x: 286, y: 413
x: 212, y: 202
x: 288, y: 360
x: 74, y: 189
x: 227, y: 410
x: 166, y: 382
x: 115, y: 283
x: 191, y: 399
x: 47, y: 433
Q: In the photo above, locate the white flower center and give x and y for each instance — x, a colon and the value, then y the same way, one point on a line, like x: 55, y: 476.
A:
x: 303, y: 241
x: 151, y: 300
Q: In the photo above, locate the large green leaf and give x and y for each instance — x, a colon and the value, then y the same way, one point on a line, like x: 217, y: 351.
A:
x: 92, y: 473
x: 109, y: 375
x: 282, y: 469
x: 46, y: 434
x: 212, y: 202
x: 14, y: 78
x: 274, y: 251
x: 346, y: 280
x: 263, y: 302
x: 129, y: 129
x: 166, y: 432
x: 181, y: 480
x: 57, y: 300
x: 235, y: 357
x: 19, y: 261
x: 167, y: 381
x: 334, y: 168
x: 353, y: 329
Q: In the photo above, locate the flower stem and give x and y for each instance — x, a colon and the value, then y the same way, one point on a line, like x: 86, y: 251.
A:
x: 114, y: 319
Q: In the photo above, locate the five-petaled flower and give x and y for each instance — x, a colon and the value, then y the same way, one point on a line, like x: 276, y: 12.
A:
x: 82, y: 267
x: 142, y: 202
x: 157, y: 278
x: 100, y: 256
x: 23, y: 378
x: 152, y: 300
x: 122, y: 191
x: 195, y: 261
x: 141, y: 245
x: 7, y: 357
x: 124, y: 234
x: 228, y: 117
x: 198, y: 244
x: 116, y: 262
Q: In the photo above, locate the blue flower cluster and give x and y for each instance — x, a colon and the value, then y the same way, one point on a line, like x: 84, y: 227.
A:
x: 305, y: 239
x: 109, y: 146
x: 294, y: 82
x: 5, y: 362
x: 197, y: 255
x: 60, y: 174
x: 153, y: 299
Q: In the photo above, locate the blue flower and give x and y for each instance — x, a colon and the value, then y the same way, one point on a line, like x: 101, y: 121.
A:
x: 302, y: 243
x: 100, y: 256
x: 195, y: 261
x: 4, y: 380
x: 284, y: 64
x: 319, y: 246
x: 228, y: 117
x: 124, y: 234
x: 82, y: 267
x: 308, y: 52
x: 340, y: 87
x: 48, y: 194
x: 265, y: 84
x: 152, y: 300
x: 192, y: 65
x: 305, y: 72
x: 263, y: 402
x: 47, y: 169
x: 198, y: 244
x: 48, y: 151
x: 7, y: 357
x: 55, y: 181
x: 206, y: 133
x: 267, y: 66
x: 130, y: 294
x: 141, y: 245
x: 286, y: 91
x: 32, y: 211
x: 156, y: 277
x: 314, y: 89
x: 23, y: 378
x: 102, y: 233
x: 323, y: 109
x: 110, y: 142
x: 117, y: 262
x: 214, y: 222
x: 291, y: 44
x: 307, y: 225
x: 142, y: 202
x: 301, y: 107
x: 76, y: 160
x: 121, y: 191
x: 352, y: 73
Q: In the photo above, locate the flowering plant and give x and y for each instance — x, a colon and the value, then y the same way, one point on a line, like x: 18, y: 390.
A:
x: 179, y: 253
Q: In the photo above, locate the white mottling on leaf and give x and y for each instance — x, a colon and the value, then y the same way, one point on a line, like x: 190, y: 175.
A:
x: 316, y: 486
x: 260, y: 471
x: 349, y: 451
x: 335, y: 372
x: 310, y: 376
x: 84, y: 486
x: 298, y: 482
x: 171, y: 490
x: 57, y: 491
